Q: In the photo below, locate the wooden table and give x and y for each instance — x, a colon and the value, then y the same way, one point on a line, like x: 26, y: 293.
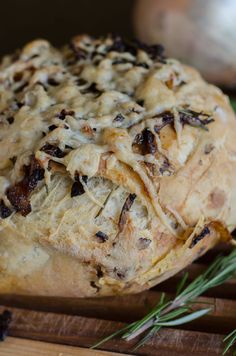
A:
x: 57, y: 326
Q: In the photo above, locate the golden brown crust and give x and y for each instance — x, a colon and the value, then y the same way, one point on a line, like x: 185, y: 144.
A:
x: 117, y: 168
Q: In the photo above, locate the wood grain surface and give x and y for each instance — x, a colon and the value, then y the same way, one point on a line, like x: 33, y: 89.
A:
x: 84, y: 332
x: 21, y: 347
x: 129, y: 308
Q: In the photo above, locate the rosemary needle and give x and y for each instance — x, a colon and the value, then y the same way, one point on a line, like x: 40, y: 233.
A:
x: 231, y: 341
x: 168, y: 313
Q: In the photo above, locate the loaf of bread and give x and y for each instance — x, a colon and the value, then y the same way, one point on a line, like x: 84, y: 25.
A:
x: 117, y: 168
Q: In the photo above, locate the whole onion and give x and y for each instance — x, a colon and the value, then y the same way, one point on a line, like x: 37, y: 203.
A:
x: 198, y: 32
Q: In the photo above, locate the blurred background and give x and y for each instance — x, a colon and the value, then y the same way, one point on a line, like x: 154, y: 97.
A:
x: 59, y: 20
x: 198, y: 32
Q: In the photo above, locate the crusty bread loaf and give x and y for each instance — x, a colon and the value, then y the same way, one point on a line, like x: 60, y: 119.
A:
x: 117, y: 167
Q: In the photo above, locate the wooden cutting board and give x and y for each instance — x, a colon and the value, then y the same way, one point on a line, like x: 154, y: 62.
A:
x: 69, y: 326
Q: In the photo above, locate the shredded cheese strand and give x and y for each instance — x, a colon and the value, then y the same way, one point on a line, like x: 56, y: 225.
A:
x: 90, y: 195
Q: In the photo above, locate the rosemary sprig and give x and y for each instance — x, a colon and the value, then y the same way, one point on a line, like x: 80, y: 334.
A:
x: 168, y: 313
x: 233, y: 104
x: 231, y: 341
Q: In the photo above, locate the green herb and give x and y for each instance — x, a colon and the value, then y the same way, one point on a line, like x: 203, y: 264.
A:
x: 195, y: 119
x: 231, y: 341
x: 233, y: 103
x: 168, y: 313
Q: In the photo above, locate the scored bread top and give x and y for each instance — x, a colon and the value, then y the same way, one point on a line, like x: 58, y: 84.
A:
x: 113, y: 159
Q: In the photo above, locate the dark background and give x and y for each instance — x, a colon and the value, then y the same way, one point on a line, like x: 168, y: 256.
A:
x: 59, y: 20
